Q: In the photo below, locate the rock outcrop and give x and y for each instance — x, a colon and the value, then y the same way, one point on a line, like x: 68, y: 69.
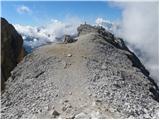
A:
x: 12, y: 51
x: 95, y: 77
x: 69, y: 39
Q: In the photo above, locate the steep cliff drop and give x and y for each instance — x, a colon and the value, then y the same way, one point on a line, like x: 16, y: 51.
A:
x: 12, y: 51
x: 96, y: 76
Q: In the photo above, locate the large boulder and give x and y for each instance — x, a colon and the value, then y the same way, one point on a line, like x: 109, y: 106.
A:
x: 68, y: 39
x: 12, y: 51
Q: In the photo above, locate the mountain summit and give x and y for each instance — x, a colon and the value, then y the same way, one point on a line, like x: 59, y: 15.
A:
x: 96, y: 76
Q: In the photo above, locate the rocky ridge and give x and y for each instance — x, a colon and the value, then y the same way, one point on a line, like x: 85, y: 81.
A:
x: 95, y: 77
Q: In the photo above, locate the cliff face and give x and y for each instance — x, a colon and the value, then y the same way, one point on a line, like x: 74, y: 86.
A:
x: 94, y: 77
x: 12, y: 51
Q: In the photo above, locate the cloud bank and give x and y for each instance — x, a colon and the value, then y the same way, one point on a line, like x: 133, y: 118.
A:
x: 55, y: 30
x: 139, y: 27
x: 108, y: 25
x: 51, y: 32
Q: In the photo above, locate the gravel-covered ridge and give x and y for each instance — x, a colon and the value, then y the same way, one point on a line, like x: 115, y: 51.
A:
x: 95, y: 77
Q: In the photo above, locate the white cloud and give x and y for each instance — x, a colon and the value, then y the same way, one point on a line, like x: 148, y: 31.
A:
x: 23, y: 9
x: 108, y: 25
x: 139, y: 27
x: 101, y: 21
x: 52, y: 32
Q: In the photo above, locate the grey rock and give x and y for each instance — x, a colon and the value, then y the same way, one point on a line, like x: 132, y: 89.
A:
x: 69, y: 55
x: 81, y: 116
x: 70, y: 93
x: 66, y: 101
x: 103, y: 67
x: 69, y: 39
x: 66, y: 106
x: 55, y: 114
x: 12, y: 51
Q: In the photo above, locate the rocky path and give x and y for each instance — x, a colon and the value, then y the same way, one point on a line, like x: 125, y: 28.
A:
x: 72, y: 77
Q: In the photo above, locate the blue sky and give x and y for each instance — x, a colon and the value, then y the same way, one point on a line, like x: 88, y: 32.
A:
x: 39, y: 13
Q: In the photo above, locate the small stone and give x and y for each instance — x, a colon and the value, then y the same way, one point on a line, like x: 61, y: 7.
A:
x: 90, y: 94
x: 81, y: 116
x: 106, y: 109
x: 70, y: 93
x: 70, y: 116
x: 66, y: 100
x: 98, y: 102
x: 103, y: 67
x: 66, y: 107
x: 53, y: 107
x: 131, y: 117
x: 64, y: 64
x: 34, y: 109
x: 40, y: 110
x: 84, y: 57
x: 56, y: 95
x: 55, y: 113
x: 69, y: 55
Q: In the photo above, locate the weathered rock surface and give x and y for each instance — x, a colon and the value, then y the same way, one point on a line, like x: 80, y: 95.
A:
x: 12, y: 51
x: 69, y: 39
x: 101, y: 79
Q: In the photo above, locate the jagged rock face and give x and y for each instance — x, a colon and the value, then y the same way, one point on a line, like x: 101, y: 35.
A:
x: 12, y: 51
x: 90, y: 78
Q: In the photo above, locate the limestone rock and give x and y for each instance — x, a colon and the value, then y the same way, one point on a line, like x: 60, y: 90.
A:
x: 55, y: 114
x: 12, y: 51
x: 69, y: 55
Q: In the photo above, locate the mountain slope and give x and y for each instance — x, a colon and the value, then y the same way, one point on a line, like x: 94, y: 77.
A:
x: 95, y: 77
